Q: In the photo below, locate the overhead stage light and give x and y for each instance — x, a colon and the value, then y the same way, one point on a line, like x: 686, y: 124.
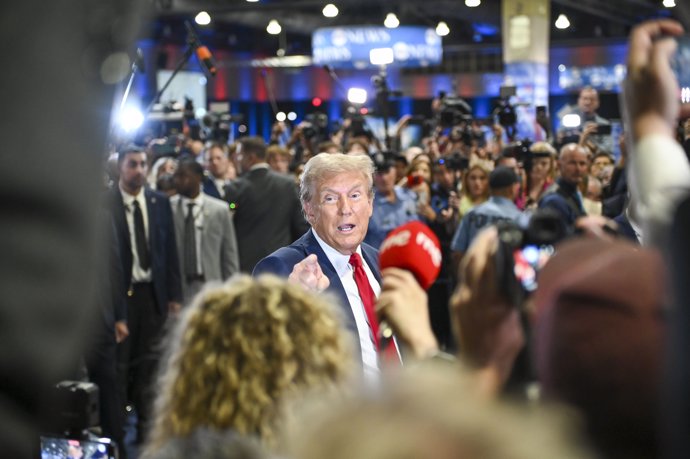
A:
x: 472, y: 3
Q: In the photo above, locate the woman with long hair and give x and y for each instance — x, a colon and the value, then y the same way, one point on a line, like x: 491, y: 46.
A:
x: 239, y: 352
x: 475, y: 187
x: 540, y: 174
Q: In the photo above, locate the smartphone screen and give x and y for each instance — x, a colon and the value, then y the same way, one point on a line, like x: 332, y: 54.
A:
x: 528, y: 261
x: 66, y: 448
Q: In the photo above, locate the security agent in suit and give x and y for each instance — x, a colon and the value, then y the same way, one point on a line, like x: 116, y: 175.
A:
x: 110, y: 329
x: 146, y: 241
x: 267, y: 211
x: 337, y: 198
x: 204, y: 231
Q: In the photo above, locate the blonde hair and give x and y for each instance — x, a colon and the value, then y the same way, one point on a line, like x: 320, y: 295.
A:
x: 428, y: 412
x: 478, y: 165
x: 325, y: 165
x: 240, y: 351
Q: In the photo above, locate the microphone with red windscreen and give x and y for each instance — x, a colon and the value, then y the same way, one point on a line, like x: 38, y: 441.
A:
x: 204, y: 55
x: 415, y: 248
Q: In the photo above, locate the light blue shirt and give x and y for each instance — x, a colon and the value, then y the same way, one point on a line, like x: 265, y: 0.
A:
x: 389, y: 215
x: 492, y: 211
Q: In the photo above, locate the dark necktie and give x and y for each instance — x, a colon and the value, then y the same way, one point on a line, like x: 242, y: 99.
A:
x: 190, y: 256
x: 366, y: 293
x: 140, y: 237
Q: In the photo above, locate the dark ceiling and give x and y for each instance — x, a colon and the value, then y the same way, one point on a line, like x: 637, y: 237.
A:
x: 240, y: 26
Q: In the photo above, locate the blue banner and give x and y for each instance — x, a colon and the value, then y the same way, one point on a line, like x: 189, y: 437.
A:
x: 349, y: 47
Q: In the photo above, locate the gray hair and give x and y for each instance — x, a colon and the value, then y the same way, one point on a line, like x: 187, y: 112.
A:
x: 325, y: 165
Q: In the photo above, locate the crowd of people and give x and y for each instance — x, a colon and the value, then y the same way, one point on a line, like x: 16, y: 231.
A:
x: 244, y: 312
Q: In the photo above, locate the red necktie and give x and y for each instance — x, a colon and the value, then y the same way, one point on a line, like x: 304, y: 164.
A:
x: 366, y: 293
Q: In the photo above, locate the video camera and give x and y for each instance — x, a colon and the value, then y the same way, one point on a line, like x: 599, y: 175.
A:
x: 77, y: 410
x: 523, y: 251
x: 453, y: 111
x: 383, y: 160
x: 315, y: 125
x: 218, y: 127
x: 520, y: 150
x: 455, y: 162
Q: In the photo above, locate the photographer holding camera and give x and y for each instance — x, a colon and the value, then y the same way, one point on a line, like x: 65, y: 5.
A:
x: 592, y: 128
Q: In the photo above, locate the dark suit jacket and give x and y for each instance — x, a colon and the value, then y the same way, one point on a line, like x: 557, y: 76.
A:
x: 209, y: 187
x: 282, y: 261
x: 268, y: 214
x: 165, y: 273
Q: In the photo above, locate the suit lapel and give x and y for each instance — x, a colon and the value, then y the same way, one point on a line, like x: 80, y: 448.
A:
x: 121, y: 218
x: 311, y: 245
x: 207, y: 257
x: 371, y: 257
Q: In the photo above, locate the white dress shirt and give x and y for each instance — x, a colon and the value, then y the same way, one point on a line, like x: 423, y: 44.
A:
x: 138, y: 274
x: 345, y: 271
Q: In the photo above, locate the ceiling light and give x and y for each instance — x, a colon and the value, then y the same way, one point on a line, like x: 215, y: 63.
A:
x: 330, y: 10
x: 252, y: 1
x: 562, y: 22
x: 442, y: 29
x: 391, y: 21
x: 669, y: 3
x: 273, y: 27
x: 203, y: 18
x: 472, y: 3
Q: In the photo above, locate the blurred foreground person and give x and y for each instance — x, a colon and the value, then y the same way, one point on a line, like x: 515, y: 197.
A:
x: 206, y: 443
x: 659, y: 181
x: 239, y: 352
x: 599, y: 335
x: 50, y: 186
x: 428, y: 412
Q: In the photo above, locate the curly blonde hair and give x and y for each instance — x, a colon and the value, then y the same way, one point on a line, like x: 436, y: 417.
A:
x: 240, y: 351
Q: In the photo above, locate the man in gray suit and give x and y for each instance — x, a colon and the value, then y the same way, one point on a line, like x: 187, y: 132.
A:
x: 204, y: 232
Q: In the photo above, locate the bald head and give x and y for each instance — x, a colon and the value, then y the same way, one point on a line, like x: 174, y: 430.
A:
x: 573, y: 163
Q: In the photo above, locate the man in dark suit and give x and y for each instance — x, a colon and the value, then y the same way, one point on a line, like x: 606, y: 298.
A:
x: 219, y: 169
x: 337, y: 197
x: 146, y: 240
x: 268, y: 214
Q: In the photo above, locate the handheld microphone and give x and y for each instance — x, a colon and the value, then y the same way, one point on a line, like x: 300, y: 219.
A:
x: 415, y: 248
x: 202, y: 52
